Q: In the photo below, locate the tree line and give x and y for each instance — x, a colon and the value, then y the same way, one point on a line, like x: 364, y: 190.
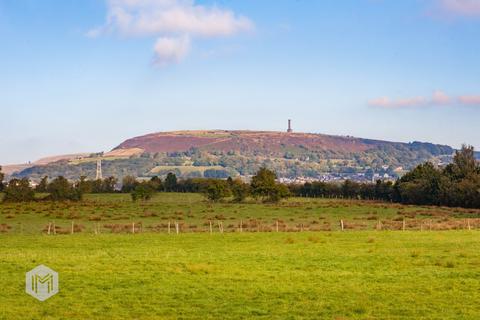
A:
x: 263, y: 187
x: 457, y: 184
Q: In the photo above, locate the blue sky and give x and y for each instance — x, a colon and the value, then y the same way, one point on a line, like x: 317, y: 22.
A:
x: 81, y: 76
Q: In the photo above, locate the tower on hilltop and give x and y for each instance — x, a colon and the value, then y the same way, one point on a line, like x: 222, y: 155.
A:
x: 99, y: 169
x: 289, y: 130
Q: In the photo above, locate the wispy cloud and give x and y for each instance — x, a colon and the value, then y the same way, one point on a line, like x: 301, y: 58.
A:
x: 470, y: 100
x: 171, y: 50
x: 173, y: 22
x: 469, y: 8
x: 438, y: 98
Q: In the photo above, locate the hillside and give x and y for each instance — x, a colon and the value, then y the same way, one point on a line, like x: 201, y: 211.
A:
x: 9, y: 169
x: 221, y: 153
x: 266, y: 142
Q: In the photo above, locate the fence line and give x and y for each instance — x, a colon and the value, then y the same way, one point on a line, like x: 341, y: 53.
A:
x: 241, y: 226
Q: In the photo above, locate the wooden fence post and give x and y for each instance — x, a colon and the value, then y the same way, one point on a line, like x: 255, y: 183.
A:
x: 220, y: 226
x: 277, y: 225
x: 133, y: 227
x: 241, y: 225
x: 341, y: 225
x: 177, y: 228
x: 168, y: 227
x: 73, y: 223
x: 49, y: 226
x: 211, y: 227
x: 403, y: 225
x: 468, y: 224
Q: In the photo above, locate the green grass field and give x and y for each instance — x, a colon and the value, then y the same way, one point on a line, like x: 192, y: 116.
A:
x: 356, y: 275
x: 361, y: 273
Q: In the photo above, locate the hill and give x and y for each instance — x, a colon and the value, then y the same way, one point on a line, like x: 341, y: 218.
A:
x: 267, y: 142
x: 9, y: 169
x: 222, y: 153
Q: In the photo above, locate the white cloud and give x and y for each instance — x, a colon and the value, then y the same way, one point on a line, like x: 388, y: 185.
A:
x: 174, y: 22
x: 151, y: 17
x: 171, y: 50
x: 438, y: 98
x: 386, y: 102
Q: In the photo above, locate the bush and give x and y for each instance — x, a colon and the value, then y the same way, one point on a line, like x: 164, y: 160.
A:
x: 264, y: 186
x: 19, y: 191
x: 42, y: 186
x: 216, y: 190
x: 240, y: 190
x: 61, y: 189
x: 143, y: 191
x: 128, y: 184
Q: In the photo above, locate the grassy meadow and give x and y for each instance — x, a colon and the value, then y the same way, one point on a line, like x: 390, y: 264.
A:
x: 115, y: 213
x: 307, y: 270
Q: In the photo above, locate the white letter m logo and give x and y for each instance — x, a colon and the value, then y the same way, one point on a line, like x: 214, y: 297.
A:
x: 41, y: 283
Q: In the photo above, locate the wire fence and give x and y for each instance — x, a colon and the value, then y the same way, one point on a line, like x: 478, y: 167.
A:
x: 237, y: 226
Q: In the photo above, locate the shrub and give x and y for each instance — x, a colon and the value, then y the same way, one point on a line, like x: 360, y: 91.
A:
x: 216, y: 190
x: 61, y: 189
x: 19, y: 191
x: 143, y: 191
x: 264, y: 186
x: 240, y: 190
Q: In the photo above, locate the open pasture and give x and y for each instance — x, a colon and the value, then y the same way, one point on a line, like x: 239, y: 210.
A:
x: 116, y: 213
x: 321, y: 275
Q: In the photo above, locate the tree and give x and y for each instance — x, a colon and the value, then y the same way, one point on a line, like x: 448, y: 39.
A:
x: 142, y: 191
x: 156, y: 183
x: 423, y: 185
x: 280, y: 192
x: 84, y: 185
x: 464, y: 193
x: 2, y: 176
x: 61, y: 189
x: 109, y: 184
x: 463, y: 189
x: 128, y: 184
x: 42, y: 186
x: 19, y: 191
x: 216, y: 190
x: 240, y: 190
x: 264, y: 186
x: 171, y: 182
x: 464, y: 164
x: 350, y: 189
x: 106, y: 185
